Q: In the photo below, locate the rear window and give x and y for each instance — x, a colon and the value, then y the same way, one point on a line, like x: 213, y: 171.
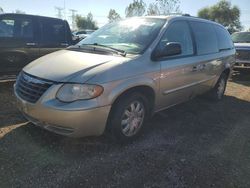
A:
x: 26, y: 28
x: 224, y: 38
x: 205, y: 38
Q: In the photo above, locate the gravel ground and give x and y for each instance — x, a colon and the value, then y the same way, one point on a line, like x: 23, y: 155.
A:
x: 196, y: 144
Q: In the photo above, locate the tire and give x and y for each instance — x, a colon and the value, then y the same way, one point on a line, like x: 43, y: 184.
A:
x: 217, y: 93
x: 128, y: 117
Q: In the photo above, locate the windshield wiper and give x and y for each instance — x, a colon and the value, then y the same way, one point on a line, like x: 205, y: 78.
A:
x: 117, y: 51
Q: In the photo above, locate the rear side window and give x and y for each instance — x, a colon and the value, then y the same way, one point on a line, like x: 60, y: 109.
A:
x: 18, y: 28
x: 25, y: 28
x: 224, y: 39
x: 53, y: 31
x: 205, y: 37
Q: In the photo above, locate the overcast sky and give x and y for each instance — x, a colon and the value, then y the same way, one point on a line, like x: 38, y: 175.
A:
x: 100, y: 8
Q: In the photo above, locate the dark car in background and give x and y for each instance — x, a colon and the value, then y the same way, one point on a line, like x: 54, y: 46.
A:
x: 24, y: 38
x: 82, y: 34
x: 242, y: 44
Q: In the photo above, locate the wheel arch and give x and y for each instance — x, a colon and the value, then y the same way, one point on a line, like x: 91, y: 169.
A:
x: 15, y: 52
x: 227, y: 72
x: 145, y: 90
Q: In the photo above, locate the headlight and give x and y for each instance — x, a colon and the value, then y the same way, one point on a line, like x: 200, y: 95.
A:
x: 73, y: 92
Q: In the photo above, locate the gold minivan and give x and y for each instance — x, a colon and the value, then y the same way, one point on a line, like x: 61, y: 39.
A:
x: 118, y: 77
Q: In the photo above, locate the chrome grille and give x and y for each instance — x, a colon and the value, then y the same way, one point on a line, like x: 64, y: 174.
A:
x: 31, y: 88
x: 243, y: 54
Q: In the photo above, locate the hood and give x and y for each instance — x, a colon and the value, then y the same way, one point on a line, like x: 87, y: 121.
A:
x: 64, y: 65
x: 242, y: 45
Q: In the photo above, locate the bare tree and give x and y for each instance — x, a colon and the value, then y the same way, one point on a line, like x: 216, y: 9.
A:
x: 136, y: 8
x: 113, y: 16
x: 168, y: 6
x: 164, y: 7
x: 153, y: 9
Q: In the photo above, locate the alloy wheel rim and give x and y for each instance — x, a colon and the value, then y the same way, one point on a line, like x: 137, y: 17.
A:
x: 132, y: 118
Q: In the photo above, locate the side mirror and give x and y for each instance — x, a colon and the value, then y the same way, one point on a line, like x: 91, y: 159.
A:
x: 170, y: 49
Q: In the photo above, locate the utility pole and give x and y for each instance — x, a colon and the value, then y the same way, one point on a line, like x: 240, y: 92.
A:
x: 73, y: 18
x: 64, y: 7
x: 59, y: 12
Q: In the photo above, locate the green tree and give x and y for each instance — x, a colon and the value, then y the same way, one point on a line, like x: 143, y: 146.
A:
x: 204, y: 13
x: 85, y: 22
x: 91, y: 24
x: 224, y: 13
x: 113, y: 16
x: 80, y: 21
x: 136, y: 8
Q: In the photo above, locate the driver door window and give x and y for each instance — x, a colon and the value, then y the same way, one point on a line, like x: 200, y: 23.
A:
x: 7, y: 27
x: 20, y: 28
x: 178, y: 32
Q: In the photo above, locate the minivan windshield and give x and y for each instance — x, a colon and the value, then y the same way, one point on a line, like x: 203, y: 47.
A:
x: 243, y: 37
x: 131, y: 35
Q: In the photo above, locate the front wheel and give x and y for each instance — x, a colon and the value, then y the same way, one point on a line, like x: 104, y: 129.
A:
x: 128, y: 117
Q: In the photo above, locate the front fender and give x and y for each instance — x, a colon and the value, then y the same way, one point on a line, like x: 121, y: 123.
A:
x: 114, y: 89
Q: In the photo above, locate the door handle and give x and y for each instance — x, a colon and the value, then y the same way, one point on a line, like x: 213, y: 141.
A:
x: 31, y: 44
x: 195, y: 68
x: 199, y: 67
x: 64, y: 44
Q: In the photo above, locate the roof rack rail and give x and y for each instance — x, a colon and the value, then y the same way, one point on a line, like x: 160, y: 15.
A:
x: 177, y: 14
x: 173, y: 13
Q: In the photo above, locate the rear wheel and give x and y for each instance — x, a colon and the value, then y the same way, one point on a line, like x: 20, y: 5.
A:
x: 128, y: 117
x: 217, y: 93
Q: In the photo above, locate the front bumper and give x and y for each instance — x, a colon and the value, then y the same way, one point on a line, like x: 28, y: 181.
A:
x: 242, y: 63
x: 78, y: 119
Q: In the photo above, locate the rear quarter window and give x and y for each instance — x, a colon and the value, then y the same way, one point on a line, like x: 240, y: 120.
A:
x: 205, y: 37
x: 224, y: 39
